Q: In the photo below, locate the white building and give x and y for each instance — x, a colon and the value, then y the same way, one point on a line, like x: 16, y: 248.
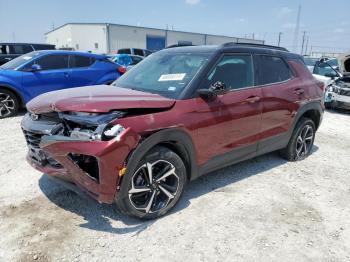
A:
x: 108, y: 38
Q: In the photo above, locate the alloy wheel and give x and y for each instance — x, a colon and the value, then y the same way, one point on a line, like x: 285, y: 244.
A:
x: 153, y: 186
x: 7, y: 105
x: 304, y: 141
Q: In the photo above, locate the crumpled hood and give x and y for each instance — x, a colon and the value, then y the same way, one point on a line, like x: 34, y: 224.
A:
x: 99, y: 98
x: 344, y: 64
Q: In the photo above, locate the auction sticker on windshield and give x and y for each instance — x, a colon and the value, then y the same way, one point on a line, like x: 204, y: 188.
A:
x: 171, y: 77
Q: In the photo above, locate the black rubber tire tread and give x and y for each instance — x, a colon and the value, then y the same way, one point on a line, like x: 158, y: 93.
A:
x: 159, y: 152
x: 289, y: 152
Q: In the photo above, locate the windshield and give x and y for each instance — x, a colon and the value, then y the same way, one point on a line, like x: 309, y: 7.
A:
x: 15, y: 63
x: 333, y: 62
x: 164, y: 73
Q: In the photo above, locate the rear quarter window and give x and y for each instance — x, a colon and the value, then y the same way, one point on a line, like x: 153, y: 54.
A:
x: 76, y: 61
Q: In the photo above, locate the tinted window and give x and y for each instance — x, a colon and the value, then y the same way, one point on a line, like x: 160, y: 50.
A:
x: 273, y: 69
x: 20, y: 49
x: 235, y: 71
x: 80, y: 61
x: 135, y: 60
x: 52, y: 62
x: 124, y: 51
x: 138, y: 52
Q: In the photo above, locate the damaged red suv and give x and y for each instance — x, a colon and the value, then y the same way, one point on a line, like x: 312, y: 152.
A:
x: 179, y: 114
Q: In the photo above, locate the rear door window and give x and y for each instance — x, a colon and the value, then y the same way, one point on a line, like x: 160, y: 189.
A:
x: 53, y: 62
x: 76, y: 61
x: 20, y: 49
x: 138, y: 52
x: 272, y: 69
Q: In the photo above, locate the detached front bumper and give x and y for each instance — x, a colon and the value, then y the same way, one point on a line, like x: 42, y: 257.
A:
x: 97, y: 173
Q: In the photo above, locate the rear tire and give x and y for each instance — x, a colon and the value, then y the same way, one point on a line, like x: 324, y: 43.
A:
x: 301, y: 142
x: 154, y: 187
x: 9, y: 103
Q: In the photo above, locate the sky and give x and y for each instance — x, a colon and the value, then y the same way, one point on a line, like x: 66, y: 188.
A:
x: 326, y: 24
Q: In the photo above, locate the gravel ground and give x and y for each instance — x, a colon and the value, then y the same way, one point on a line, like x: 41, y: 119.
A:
x: 265, y: 209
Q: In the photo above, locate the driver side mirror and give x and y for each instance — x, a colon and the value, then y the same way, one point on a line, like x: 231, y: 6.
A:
x: 35, y: 68
x: 218, y: 88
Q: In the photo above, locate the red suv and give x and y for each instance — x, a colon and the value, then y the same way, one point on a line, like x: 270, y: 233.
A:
x: 179, y: 114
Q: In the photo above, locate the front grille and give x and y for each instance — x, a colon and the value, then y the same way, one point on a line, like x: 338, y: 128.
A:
x: 33, y: 140
x: 343, y: 92
x: 35, y: 153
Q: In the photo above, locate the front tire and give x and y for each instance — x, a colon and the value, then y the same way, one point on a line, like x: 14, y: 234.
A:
x: 155, y: 186
x: 9, y: 103
x: 301, y: 142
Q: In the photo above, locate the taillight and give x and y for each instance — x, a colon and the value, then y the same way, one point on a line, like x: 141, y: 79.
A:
x: 121, y: 69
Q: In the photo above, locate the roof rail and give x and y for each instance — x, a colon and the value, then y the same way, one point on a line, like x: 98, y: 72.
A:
x: 255, y: 45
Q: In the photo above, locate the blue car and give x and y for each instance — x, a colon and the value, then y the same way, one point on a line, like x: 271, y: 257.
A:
x: 32, y: 74
x: 127, y: 60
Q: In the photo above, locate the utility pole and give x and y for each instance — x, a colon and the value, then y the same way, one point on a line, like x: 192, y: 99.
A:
x: 279, y: 38
x: 307, y: 43
x: 302, y: 45
x: 296, y: 32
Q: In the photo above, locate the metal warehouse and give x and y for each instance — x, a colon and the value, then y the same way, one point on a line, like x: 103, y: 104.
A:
x: 108, y: 38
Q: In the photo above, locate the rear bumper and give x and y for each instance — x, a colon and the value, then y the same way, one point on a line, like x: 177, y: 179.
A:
x: 110, y: 156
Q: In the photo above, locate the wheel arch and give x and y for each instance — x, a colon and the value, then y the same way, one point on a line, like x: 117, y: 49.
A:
x: 176, y: 140
x: 312, y: 110
x: 13, y: 90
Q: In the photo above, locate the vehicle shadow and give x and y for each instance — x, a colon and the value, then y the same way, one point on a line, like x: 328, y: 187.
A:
x: 101, y: 216
x: 338, y: 111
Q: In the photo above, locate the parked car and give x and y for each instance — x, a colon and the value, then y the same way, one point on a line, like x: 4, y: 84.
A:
x: 135, y: 51
x: 337, y: 73
x: 127, y: 61
x: 310, y: 62
x: 38, y: 72
x: 181, y: 113
x: 9, y: 51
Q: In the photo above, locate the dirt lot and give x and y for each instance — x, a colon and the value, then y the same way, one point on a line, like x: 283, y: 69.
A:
x: 265, y: 209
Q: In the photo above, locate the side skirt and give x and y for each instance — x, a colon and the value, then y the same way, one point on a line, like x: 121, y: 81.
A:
x: 244, y: 153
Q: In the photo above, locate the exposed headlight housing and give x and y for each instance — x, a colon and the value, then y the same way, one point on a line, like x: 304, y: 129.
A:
x: 114, y: 131
x: 92, y: 126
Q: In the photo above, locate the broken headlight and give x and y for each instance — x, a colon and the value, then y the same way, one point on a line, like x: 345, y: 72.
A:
x: 92, y: 126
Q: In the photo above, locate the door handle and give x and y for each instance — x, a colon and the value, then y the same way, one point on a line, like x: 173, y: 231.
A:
x: 66, y: 74
x: 252, y: 99
x: 299, y: 91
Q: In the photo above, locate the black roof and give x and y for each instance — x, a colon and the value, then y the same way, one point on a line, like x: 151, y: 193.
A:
x: 236, y: 47
x: 7, y: 43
